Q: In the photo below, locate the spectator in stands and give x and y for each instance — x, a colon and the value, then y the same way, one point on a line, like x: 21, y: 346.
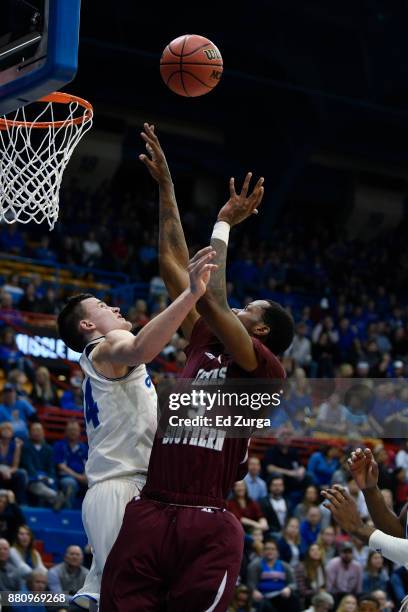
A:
x: 322, y: 602
x: 399, y: 584
x: 17, y: 411
x: 13, y: 287
x: 386, y: 605
x: 10, y: 355
x: 331, y: 415
x: 11, y: 240
x: 310, y: 528
x: 275, y: 507
x: 72, y: 398
x: 375, y: 576
x: 37, y: 460
x: 327, y: 542
x: 360, y: 551
x: 241, y: 601
x: 256, y: 486
x: 348, y: 603
x: 91, y: 251
x: 322, y: 465
x: 68, y: 576
x: 368, y: 603
x: 23, y: 554
x: 283, y: 460
x: 343, y: 574
x: 245, y: 509
x: 401, y: 489
x: 385, y: 472
x: 30, y: 301
x: 44, y: 392
x: 49, y: 304
x: 37, y: 582
x: 324, y: 353
x: 11, y: 517
x: 271, y: 582
x: 138, y: 314
x: 10, y: 579
x: 11, y: 475
x: 310, y: 498
x: 70, y: 456
x: 43, y: 251
x: 310, y: 575
x: 301, y: 348
x: 20, y: 381
x: 401, y: 459
x: 288, y: 543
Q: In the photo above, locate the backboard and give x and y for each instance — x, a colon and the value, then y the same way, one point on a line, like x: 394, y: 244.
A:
x: 38, y: 49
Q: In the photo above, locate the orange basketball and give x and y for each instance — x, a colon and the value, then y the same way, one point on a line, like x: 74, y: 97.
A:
x: 191, y: 65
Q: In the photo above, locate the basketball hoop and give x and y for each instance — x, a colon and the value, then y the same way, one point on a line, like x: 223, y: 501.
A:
x: 35, y: 148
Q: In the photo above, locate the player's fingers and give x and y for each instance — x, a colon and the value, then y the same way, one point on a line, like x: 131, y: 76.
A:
x: 150, y: 131
x: 200, y: 253
x: 341, y: 491
x: 150, y: 151
x: 258, y: 198
x: 147, y: 162
x: 196, y: 265
x: 245, y: 186
x: 153, y: 142
x: 232, y: 187
x: 329, y: 495
x: 207, y: 268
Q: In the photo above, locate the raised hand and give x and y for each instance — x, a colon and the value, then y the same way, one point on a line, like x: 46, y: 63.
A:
x: 199, y: 270
x: 155, y: 160
x: 241, y: 206
x: 363, y: 468
x: 343, y: 508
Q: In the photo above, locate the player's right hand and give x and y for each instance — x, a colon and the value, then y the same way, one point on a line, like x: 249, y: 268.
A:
x: 363, y: 468
x: 199, y: 270
x: 242, y: 205
x: 155, y: 160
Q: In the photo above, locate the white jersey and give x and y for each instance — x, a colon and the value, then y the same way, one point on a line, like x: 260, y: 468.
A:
x: 121, y: 420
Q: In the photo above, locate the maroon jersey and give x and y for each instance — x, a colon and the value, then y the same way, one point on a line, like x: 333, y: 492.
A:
x: 200, y: 469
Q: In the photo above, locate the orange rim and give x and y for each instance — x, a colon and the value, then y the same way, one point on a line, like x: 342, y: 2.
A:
x: 60, y: 98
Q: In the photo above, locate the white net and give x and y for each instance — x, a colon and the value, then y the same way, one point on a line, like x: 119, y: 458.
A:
x: 35, y: 148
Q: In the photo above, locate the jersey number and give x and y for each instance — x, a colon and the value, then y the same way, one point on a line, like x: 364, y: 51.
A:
x: 91, y: 407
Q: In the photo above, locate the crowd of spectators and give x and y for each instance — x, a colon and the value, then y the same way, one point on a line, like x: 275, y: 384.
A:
x: 295, y: 557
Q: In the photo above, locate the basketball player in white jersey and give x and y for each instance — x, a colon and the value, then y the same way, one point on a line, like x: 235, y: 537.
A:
x: 120, y: 407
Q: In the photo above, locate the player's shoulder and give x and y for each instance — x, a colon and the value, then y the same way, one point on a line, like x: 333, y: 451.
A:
x: 268, y: 362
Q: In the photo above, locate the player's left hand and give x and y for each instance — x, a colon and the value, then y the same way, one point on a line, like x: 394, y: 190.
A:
x: 199, y: 270
x: 155, y: 160
x: 240, y: 206
x: 343, y: 507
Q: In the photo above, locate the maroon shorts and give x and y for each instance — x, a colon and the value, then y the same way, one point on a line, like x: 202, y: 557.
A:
x: 172, y: 558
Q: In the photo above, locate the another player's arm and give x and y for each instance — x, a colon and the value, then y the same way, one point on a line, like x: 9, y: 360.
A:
x: 122, y: 348
x: 173, y: 251
x: 365, y: 472
x: 214, y: 306
x: 345, y: 512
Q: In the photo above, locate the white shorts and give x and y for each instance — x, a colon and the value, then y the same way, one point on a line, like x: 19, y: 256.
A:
x: 102, y: 515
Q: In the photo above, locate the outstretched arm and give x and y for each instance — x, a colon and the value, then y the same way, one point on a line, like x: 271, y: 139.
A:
x: 122, y: 348
x: 173, y: 251
x: 214, y: 306
x: 344, y: 510
x: 365, y: 472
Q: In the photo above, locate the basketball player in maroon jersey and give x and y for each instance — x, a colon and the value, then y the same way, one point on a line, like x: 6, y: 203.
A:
x: 179, y: 550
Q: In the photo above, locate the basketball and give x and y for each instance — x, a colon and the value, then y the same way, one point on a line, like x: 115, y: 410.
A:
x: 191, y: 65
